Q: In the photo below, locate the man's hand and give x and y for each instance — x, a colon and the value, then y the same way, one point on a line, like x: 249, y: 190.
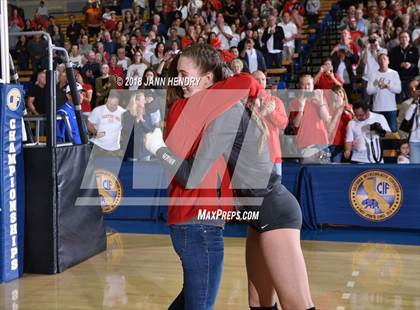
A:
x: 347, y: 154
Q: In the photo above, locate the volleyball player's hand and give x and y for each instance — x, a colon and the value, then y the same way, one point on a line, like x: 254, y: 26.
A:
x: 154, y: 141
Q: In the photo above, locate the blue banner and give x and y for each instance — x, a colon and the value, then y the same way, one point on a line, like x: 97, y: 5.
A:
x: 12, y: 182
x: 385, y: 196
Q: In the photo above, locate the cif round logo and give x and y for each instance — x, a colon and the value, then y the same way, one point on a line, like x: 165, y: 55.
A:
x: 13, y: 99
x: 376, y: 195
x: 381, y: 262
x: 110, y: 190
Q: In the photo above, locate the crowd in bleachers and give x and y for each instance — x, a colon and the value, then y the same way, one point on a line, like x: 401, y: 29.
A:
x: 111, y: 48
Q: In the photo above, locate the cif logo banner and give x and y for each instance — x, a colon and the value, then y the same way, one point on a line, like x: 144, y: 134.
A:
x: 376, y: 195
x: 110, y: 190
x: 12, y: 191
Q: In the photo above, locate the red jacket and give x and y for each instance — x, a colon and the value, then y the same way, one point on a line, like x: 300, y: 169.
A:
x: 187, y: 120
x: 275, y: 121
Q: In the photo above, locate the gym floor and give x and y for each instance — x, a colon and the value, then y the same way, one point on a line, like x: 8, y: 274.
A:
x: 141, y: 271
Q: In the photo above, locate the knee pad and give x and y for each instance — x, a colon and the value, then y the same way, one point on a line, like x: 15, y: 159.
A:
x: 265, y: 308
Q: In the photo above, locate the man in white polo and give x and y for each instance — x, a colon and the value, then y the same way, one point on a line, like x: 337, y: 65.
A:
x: 384, y: 85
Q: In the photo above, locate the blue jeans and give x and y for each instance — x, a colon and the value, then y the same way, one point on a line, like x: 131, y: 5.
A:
x: 414, y: 152
x: 391, y: 118
x: 337, y: 152
x: 201, y: 250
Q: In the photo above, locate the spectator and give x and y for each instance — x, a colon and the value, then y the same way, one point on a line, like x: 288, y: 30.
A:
x: 158, y: 54
x: 104, y: 84
x: 128, y: 22
x: 61, y: 88
x: 223, y: 31
x: 254, y: 59
x: 236, y: 66
x: 17, y: 19
x: 355, y: 34
x: 139, y: 7
x: 75, y: 57
x: 230, y: 11
x: 395, y: 40
x: 135, y: 124
x: 190, y: 38
x: 69, y: 116
x: 403, y: 107
x: 22, y: 54
x: 93, y: 18
x: 85, y: 47
x: 326, y: 78
x: 51, y: 25
x: 37, y: 49
x: 57, y: 36
x: 117, y: 71
x: 173, y: 36
x: 156, y: 21
x: 273, y: 37
x: 136, y: 70
x: 404, y: 153
x: 104, y: 123
x: 413, y: 112
x: 340, y: 108
x: 123, y: 43
x: 42, y: 10
x: 369, y: 59
x: 28, y: 25
x: 404, y: 59
x: 362, y: 25
x: 13, y: 40
x: 105, y: 55
x: 73, y: 30
x: 109, y: 45
x: 245, y: 35
x: 312, y: 10
x: 91, y: 69
x: 384, y: 84
x: 87, y: 96
x: 235, y: 37
x: 310, y: 117
x: 110, y: 20
x: 123, y: 61
x: 272, y: 108
x: 343, y: 59
x: 36, y: 97
x: 363, y: 135
x: 133, y: 46
x: 180, y: 30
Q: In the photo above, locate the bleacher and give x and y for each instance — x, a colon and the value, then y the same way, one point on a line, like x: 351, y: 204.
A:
x: 287, y: 75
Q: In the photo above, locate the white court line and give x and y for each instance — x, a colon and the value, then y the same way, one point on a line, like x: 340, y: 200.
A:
x: 345, y: 296
x: 355, y: 273
x: 350, y: 284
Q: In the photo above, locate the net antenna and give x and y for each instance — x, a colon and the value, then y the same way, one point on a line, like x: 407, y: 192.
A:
x: 4, y: 43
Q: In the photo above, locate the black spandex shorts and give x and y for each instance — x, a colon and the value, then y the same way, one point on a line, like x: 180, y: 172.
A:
x: 279, y: 209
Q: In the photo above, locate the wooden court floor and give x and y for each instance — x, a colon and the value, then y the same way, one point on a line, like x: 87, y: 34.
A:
x: 143, y: 272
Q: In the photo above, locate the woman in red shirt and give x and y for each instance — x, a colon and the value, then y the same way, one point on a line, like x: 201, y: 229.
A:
x: 199, y: 245
x: 338, y: 105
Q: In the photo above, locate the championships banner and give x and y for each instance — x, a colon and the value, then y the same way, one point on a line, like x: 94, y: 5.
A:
x: 12, y: 178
